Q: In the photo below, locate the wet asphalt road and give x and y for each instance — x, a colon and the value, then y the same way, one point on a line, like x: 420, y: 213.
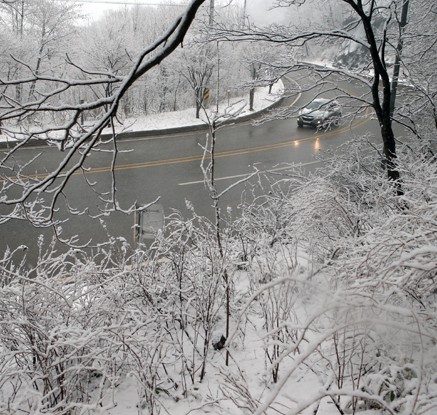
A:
x: 168, y: 168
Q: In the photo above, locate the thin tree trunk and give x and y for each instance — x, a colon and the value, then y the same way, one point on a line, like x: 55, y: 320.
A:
x: 382, y: 109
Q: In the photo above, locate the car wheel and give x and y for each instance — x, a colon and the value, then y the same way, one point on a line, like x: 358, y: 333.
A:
x: 299, y: 124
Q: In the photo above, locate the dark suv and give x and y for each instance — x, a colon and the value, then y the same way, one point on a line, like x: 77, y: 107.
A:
x: 320, y: 113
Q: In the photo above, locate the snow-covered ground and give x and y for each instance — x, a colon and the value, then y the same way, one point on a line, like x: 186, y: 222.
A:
x: 236, y: 107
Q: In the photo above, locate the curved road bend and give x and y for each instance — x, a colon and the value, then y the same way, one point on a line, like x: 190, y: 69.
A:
x: 169, y: 167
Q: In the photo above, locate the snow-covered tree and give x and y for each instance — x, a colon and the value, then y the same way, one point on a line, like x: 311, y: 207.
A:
x: 62, y: 97
x: 198, y: 70
x: 377, y: 28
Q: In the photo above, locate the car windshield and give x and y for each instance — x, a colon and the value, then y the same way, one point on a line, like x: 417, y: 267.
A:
x: 315, y: 105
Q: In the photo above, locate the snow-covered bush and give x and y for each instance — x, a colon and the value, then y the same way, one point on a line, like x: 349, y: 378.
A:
x: 58, y: 332
x: 367, y: 330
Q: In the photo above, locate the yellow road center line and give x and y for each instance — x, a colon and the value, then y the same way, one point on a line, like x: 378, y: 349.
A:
x: 190, y: 159
x: 223, y: 154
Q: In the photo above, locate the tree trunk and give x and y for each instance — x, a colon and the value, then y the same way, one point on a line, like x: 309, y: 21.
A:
x: 382, y: 109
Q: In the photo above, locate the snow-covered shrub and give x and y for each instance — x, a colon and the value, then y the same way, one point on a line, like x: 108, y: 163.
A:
x: 57, y: 332
x: 368, y: 329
